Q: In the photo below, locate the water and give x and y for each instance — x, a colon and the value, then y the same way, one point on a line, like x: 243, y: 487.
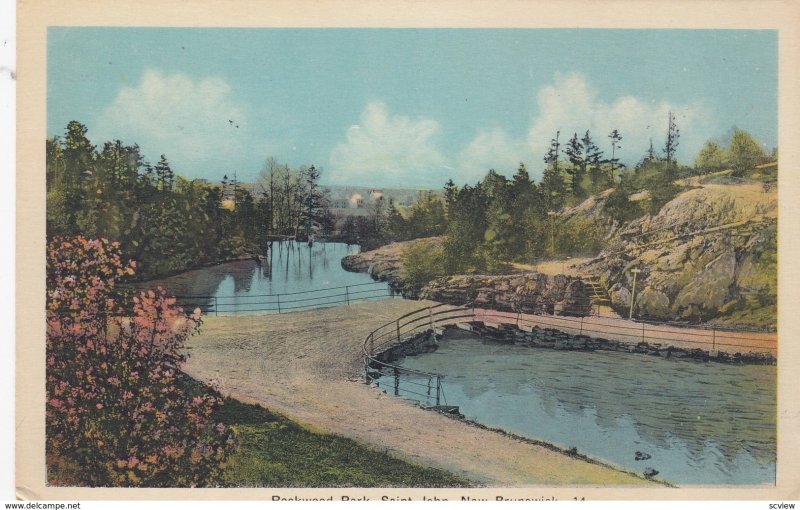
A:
x: 702, y: 423
x: 304, y: 276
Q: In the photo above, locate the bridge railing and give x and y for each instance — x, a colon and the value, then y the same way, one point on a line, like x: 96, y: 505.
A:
x: 427, y: 386
x: 422, y: 385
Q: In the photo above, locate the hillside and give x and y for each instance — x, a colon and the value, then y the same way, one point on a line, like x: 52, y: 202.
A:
x: 710, y: 254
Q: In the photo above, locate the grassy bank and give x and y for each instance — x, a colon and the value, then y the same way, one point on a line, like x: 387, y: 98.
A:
x: 274, y: 451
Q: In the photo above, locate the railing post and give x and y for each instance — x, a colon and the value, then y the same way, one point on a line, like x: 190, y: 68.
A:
x: 430, y: 380
x: 279, y: 302
x: 372, y: 344
x: 438, y: 389
x: 347, y: 295
x: 396, y: 382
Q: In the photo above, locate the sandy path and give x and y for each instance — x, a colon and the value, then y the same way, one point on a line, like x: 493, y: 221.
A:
x: 307, y: 365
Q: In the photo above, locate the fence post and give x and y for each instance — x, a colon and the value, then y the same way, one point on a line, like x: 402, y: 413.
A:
x: 438, y: 388
x: 713, y: 339
x: 216, y: 310
x: 347, y: 294
x: 279, y: 302
x: 396, y: 382
x: 581, y: 325
x: 398, y: 329
x: 428, y: 399
x: 642, y: 331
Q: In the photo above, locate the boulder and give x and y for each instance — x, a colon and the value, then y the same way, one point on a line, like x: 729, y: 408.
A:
x: 652, y: 303
x: 710, y: 288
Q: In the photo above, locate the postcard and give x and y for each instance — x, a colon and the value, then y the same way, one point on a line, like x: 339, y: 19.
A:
x: 336, y: 251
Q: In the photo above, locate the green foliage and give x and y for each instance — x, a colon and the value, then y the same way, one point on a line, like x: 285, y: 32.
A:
x: 276, y: 452
x: 423, y: 261
x: 165, y: 222
x: 579, y: 236
x: 466, y: 230
x: 654, y: 176
x: 711, y: 157
x: 744, y: 152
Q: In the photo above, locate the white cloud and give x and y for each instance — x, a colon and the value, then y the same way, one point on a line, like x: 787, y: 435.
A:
x: 188, y: 120
x: 491, y: 149
x: 570, y: 105
x: 391, y: 149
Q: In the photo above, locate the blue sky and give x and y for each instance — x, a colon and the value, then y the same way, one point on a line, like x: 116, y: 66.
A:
x: 404, y: 107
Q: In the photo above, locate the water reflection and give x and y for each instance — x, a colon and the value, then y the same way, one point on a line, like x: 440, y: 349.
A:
x: 702, y: 423
x: 287, y: 268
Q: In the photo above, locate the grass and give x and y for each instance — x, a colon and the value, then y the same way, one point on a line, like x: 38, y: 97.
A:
x: 274, y: 451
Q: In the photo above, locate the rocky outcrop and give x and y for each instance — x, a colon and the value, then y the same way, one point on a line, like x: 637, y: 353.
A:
x: 384, y: 263
x: 708, y: 255
x: 529, y: 293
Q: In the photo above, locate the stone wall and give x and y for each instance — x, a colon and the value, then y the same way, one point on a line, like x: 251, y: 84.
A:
x: 555, y: 339
x: 528, y: 293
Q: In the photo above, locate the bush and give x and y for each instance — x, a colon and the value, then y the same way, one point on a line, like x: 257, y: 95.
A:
x: 581, y: 236
x: 115, y: 410
x: 423, y: 261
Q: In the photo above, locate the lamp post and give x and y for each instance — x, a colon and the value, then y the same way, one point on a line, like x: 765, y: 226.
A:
x: 633, y: 292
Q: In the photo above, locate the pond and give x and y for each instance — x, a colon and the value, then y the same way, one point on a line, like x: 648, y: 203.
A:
x: 292, y: 276
x: 699, y: 423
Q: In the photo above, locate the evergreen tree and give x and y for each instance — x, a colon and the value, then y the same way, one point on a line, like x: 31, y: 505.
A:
x: 671, y: 141
x: 592, y: 162
x: 577, y: 168
x: 615, y: 138
x: 164, y: 175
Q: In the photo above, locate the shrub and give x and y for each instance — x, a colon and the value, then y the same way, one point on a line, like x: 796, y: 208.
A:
x: 422, y: 262
x: 115, y: 407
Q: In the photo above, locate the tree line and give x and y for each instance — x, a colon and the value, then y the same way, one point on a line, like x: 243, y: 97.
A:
x: 500, y: 220
x: 168, y: 223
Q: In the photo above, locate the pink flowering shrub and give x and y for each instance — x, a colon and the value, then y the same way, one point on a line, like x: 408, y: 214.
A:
x: 116, y: 409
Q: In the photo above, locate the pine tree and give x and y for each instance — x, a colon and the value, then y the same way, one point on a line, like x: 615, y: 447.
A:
x: 592, y: 161
x: 671, y: 142
x: 615, y: 138
x: 574, y: 152
x: 164, y: 175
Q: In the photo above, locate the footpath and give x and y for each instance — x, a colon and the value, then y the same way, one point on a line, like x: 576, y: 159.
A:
x: 308, y: 366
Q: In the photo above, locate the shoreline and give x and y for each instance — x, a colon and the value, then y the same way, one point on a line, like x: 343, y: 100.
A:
x: 288, y: 366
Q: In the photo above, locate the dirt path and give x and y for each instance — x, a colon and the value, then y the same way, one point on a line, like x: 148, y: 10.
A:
x: 307, y: 365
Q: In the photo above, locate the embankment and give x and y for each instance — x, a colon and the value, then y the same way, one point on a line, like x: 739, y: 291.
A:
x: 308, y: 366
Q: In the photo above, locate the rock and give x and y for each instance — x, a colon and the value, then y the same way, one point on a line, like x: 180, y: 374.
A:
x: 709, y: 289
x: 620, y: 297
x: 705, y: 254
x: 650, y: 472
x: 641, y: 456
x: 653, y: 303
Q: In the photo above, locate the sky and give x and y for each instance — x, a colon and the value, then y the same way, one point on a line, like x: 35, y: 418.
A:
x: 404, y: 107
